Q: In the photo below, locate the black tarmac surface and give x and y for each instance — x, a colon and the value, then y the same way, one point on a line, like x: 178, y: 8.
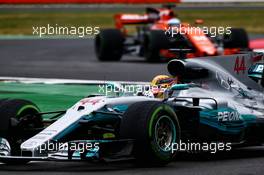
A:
x: 69, y: 58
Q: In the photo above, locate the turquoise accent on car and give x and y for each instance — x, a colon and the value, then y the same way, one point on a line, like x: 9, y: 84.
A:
x: 121, y: 108
x: 211, y: 118
x: 248, y: 118
x: 177, y: 87
x: 256, y: 71
x: 259, y: 76
x: 94, y: 153
x: 91, y: 117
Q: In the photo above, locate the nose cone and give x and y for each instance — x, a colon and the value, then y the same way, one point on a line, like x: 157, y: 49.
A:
x: 29, y: 145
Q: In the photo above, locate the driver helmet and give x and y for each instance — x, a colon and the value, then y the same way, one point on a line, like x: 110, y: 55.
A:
x: 174, y: 22
x: 160, y: 83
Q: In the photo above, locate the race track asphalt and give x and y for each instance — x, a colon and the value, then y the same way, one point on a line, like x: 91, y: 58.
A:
x: 69, y: 58
x: 238, y: 162
x: 75, y: 59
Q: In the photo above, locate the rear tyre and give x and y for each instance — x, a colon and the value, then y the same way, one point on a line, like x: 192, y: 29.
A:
x: 154, y: 41
x: 154, y: 127
x: 109, y: 45
x: 19, y: 122
x: 237, y: 39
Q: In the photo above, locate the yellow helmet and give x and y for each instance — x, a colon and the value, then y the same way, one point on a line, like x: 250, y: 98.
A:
x: 161, y: 82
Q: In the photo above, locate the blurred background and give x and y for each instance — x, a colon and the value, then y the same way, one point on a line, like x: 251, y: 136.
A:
x: 23, y: 54
x: 18, y: 16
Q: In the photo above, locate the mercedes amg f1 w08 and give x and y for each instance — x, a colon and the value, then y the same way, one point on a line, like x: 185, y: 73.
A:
x: 217, y: 101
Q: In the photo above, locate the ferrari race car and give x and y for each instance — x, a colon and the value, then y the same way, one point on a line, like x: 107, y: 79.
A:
x: 216, y: 107
x: 158, y: 30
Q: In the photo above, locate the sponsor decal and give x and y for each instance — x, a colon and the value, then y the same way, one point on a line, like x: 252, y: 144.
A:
x: 92, y: 101
x: 196, y: 147
x: 81, y: 147
x: 227, y: 116
x: 134, y: 17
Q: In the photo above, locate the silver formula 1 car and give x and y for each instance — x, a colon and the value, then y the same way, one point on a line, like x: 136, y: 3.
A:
x: 216, y: 102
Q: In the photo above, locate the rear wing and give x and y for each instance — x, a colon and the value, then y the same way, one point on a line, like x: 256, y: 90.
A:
x: 126, y: 19
x: 151, y: 15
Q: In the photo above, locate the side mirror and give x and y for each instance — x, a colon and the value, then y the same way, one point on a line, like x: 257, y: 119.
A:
x: 199, y: 21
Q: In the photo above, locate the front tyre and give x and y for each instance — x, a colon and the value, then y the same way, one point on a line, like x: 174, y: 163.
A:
x: 154, y: 127
x: 19, y: 122
x: 154, y: 41
x: 109, y: 45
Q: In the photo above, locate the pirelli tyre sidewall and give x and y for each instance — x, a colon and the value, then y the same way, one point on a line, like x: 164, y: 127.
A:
x: 144, y: 122
x: 19, y: 119
x: 162, y: 113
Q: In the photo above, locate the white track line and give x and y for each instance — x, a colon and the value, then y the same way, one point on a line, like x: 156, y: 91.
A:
x: 63, y: 81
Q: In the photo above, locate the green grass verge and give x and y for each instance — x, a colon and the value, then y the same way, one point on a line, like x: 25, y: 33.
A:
x: 20, y: 23
x: 47, y: 97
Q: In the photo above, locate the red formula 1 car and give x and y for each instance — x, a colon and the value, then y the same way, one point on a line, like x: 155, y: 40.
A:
x: 157, y: 31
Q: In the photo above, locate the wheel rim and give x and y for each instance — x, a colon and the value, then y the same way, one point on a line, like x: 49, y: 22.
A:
x: 165, y: 133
